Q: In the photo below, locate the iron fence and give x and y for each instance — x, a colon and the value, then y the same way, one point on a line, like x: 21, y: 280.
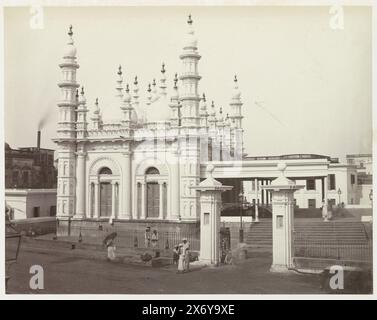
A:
x: 333, y: 249
x: 137, y: 239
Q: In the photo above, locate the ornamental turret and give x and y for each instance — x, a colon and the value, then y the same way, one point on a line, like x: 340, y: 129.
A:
x: 128, y: 111
x: 119, y: 87
x: 236, y: 117
x: 81, y: 123
x: 174, y: 104
x: 96, y: 118
x: 190, y: 77
x: 203, y: 113
x: 235, y: 105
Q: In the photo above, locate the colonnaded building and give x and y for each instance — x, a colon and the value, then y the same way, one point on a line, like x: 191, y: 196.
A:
x: 140, y: 169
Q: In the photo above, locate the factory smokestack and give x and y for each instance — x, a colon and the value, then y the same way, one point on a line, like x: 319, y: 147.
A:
x: 39, y: 140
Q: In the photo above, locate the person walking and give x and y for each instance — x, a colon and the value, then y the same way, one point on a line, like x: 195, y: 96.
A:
x: 154, y: 238
x: 181, y: 259
x: 110, y: 244
x: 176, y: 255
x: 186, y: 250
x: 147, y: 237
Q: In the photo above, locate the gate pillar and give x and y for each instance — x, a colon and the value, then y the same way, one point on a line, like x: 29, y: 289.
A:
x: 210, y: 211
x: 282, y: 190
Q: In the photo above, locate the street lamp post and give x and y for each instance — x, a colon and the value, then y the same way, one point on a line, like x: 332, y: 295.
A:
x: 241, y: 199
x: 339, y: 193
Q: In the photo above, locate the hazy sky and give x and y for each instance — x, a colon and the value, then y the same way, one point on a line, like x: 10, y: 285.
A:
x: 306, y: 88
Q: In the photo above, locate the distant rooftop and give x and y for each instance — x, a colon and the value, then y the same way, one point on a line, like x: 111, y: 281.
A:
x: 360, y: 155
x: 294, y: 156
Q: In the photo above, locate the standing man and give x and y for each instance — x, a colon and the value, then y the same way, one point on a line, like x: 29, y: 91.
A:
x: 186, y: 252
x: 147, y: 236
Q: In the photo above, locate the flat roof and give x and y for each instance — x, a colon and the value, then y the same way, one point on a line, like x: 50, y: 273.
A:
x: 293, y: 156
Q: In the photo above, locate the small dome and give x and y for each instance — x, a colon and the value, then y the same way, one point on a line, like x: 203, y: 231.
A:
x: 70, y: 51
x: 191, y: 41
x: 159, y: 110
x: 134, y: 117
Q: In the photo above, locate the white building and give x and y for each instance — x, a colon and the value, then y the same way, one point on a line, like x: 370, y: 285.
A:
x: 139, y: 170
x: 31, y: 203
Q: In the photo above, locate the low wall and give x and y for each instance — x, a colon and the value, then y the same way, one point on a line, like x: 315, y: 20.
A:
x: 132, y: 233
x: 35, y: 226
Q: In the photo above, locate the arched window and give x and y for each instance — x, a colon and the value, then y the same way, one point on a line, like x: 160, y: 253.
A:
x: 152, y: 170
x: 105, y: 170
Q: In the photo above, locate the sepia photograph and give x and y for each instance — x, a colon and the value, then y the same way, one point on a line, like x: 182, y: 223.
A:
x: 172, y: 149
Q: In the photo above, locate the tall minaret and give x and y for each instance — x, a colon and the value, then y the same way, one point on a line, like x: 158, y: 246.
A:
x: 190, y: 78
x: 236, y: 117
x: 67, y: 132
x: 81, y: 128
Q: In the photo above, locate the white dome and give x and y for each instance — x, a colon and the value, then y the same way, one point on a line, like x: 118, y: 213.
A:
x: 134, y: 117
x: 190, y: 41
x: 70, y: 50
x: 159, y: 110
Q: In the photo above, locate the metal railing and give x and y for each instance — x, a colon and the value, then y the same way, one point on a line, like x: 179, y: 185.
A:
x: 332, y: 249
x: 137, y: 239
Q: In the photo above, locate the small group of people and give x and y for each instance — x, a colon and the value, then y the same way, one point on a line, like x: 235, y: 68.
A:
x: 181, y: 256
x: 151, y: 238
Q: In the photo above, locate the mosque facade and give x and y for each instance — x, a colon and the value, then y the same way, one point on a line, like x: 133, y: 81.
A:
x: 142, y: 167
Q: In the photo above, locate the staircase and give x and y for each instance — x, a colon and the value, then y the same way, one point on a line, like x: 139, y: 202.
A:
x: 310, y: 231
x: 337, y: 232
x: 260, y: 234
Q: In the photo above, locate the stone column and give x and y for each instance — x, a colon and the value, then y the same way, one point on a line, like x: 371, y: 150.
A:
x: 143, y: 208
x: 112, y: 200
x: 161, y: 211
x: 325, y: 188
x: 96, y: 199
x: 80, y: 186
x: 282, y: 221
x: 256, y: 189
x: 210, y: 210
x: 126, y: 212
x: 175, y: 190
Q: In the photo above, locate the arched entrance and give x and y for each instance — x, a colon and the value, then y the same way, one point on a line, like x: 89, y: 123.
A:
x: 152, y: 194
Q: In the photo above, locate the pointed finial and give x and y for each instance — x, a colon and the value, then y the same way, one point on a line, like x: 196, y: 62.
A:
x: 204, y: 97
x: 235, y: 78
x: 77, y: 93
x: 70, y: 32
x: 127, y: 88
x: 135, y: 82
x: 120, y: 70
x: 149, y: 87
x: 163, y: 68
x: 213, y: 104
x: 97, y: 102
x: 82, y: 91
x: 175, y: 81
x: 221, y: 110
x: 227, y: 116
x: 154, y: 82
x: 189, y: 21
